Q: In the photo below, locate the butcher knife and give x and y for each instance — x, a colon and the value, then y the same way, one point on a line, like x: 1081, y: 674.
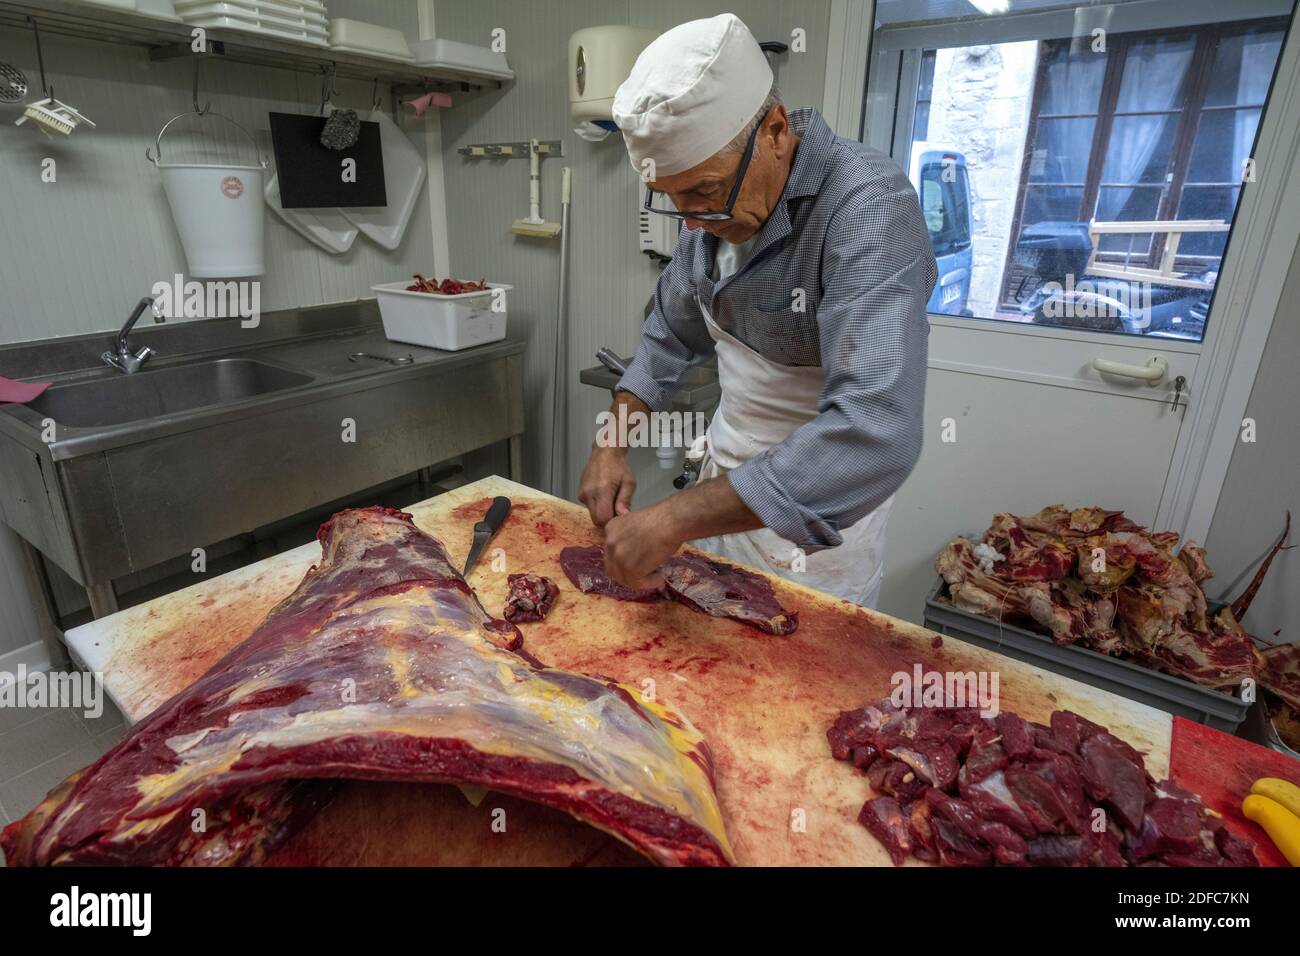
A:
x: 486, y: 529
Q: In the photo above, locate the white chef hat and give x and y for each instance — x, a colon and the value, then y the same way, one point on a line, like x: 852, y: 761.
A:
x: 690, y: 92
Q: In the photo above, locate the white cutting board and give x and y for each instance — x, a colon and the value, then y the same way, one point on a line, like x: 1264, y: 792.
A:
x: 404, y: 173
x: 328, y: 228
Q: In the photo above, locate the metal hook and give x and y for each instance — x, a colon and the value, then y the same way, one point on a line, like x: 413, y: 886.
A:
x: 376, y: 101
x: 40, y: 58
x: 328, y: 89
x: 201, y: 110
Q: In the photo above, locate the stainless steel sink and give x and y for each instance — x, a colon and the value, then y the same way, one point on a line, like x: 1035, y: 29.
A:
x: 157, y: 392
x: 231, y: 429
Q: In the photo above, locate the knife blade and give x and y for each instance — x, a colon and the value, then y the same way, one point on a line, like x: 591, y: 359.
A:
x: 486, y: 529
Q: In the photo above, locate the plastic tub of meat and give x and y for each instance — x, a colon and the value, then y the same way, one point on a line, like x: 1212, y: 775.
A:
x: 450, y: 322
x: 1174, y: 695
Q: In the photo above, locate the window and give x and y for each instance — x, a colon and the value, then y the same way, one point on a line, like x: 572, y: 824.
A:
x: 1103, y: 172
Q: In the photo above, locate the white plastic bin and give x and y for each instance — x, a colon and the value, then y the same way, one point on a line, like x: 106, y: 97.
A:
x: 450, y: 322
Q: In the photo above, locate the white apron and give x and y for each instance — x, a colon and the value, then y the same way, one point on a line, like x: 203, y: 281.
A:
x: 763, y: 402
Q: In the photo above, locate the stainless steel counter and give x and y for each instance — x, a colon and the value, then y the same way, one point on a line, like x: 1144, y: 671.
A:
x: 229, y: 429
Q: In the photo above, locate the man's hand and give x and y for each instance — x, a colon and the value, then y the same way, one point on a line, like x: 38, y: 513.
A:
x: 607, y: 481
x: 636, y: 544
x: 607, y: 485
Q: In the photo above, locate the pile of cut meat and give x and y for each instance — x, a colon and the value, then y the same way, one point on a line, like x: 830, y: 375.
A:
x: 702, y: 584
x: 1280, y: 673
x: 446, y: 286
x: 1096, y: 579
x: 964, y: 790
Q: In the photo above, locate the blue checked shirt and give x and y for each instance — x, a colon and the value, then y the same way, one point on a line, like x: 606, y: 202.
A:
x: 848, y: 232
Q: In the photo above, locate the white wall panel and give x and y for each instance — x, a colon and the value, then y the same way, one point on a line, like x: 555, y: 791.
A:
x: 76, y: 254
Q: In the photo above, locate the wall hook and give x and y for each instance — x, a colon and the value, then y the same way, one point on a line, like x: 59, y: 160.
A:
x: 201, y: 110
x: 328, y: 89
x: 40, y: 57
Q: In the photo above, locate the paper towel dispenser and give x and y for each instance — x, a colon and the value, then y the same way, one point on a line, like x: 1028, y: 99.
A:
x: 600, y: 59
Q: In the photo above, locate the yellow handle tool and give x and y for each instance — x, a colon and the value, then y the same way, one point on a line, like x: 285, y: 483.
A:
x: 1281, y: 825
x: 1282, y: 791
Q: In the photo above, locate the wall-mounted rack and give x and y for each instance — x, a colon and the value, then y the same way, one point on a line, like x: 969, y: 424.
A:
x: 545, y: 147
x: 166, y: 39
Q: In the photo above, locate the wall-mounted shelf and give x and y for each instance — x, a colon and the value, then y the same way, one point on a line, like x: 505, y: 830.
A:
x: 166, y: 38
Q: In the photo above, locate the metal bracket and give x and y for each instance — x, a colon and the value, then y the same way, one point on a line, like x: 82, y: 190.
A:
x: 178, y: 51
x: 545, y: 147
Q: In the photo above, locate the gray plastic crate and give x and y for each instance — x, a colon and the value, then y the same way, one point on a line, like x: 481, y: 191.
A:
x: 1174, y: 695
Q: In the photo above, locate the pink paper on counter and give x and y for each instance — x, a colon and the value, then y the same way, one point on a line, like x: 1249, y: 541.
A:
x: 20, y: 392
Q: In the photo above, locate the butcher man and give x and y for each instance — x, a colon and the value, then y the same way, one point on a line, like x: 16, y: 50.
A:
x: 804, y: 267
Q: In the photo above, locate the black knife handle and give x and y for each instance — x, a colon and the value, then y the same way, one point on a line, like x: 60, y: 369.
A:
x: 496, y: 515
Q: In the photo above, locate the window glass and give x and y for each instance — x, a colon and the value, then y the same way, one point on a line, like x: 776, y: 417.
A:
x: 1238, y: 76
x: 1116, y: 164
x: 1056, y: 157
x: 1154, y: 72
x: 1139, y: 149
x: 1072, y: 77
x: 1223, y: 142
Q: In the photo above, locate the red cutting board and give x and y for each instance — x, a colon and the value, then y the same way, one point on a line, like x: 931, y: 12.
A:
x: 1221, y: 769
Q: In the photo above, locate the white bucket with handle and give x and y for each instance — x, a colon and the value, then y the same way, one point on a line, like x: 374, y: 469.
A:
x: 218, y: 210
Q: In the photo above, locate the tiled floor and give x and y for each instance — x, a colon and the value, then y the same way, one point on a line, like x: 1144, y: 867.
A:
x: 40, y: 747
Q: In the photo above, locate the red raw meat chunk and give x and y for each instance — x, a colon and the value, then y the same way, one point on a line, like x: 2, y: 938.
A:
x: 702, y: 584
x: 986, y: 756
x: 1058, y: 850
x: 1172, y: 824
x: 956, y: 829
x: 853, y: 728
x: 724, y: 590
x: 1009, y: 847
x: 864, y: 756
x: 1050, y: 792
x: 1114, y: 779
x: 993, y: 801
x: 530, y: 599
x: 935, y: 763
x: 1017, y: 737
x: 885, y: 819
x: 918, y: 826
x: 585, y: 567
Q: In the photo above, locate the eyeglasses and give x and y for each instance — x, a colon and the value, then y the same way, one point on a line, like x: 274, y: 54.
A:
x: 720, y: 215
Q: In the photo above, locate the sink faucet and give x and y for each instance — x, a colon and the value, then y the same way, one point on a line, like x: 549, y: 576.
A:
x: 121, y: 357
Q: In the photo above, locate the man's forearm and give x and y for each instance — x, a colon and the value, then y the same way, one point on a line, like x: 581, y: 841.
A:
x: 709, y: 508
